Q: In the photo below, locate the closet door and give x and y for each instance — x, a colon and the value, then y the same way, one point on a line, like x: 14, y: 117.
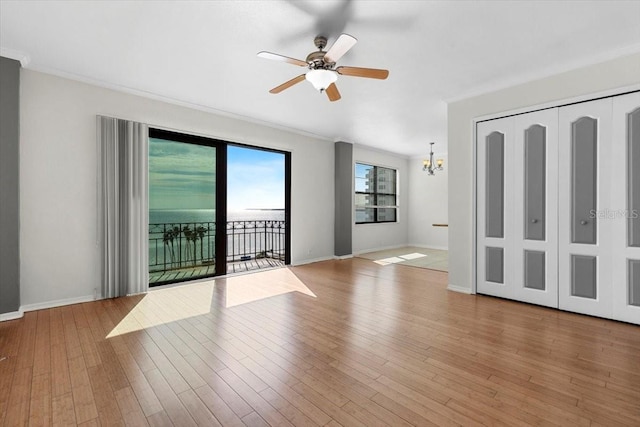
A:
x: 535, y: 204
x: 495, y: 227
x: 517, y: 208
x: 625, y: 217
x: 585, y: 237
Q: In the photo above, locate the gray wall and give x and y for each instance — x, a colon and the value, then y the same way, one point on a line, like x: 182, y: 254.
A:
x: 620, y: 72
x: 344, y: 197
x: 9, y: 186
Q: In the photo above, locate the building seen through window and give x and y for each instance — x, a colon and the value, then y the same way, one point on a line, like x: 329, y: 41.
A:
x: 375, y: 193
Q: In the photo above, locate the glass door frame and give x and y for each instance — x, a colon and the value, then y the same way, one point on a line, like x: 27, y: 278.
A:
x: 221, y: 191
x: 287, y: 193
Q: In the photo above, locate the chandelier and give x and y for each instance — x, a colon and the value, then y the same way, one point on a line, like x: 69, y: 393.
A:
x: 429, y: 166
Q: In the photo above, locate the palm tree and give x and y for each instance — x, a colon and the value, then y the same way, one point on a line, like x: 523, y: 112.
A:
x: 190, y: 236
x: 201, y: 231
x: 167, y: 239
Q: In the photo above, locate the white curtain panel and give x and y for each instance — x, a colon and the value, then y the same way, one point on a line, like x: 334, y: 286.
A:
x: 123, y: 206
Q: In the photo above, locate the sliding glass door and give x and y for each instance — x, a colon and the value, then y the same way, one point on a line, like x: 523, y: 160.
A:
x: 192, y: 234
x: 257, y: 206
x: 186, y: 207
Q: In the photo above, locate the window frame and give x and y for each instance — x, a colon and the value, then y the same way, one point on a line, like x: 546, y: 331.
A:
x: 221, y: 191
x: 376, y: 194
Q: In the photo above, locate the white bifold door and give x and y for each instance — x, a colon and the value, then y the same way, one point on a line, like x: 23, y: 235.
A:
x: 558, y: 212
x: 585, y: 153
x: 625, y: 192
x: 517, y: 208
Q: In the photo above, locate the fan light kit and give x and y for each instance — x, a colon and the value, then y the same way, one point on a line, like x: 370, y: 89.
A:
x: 322, y: 73
x: 321, y: 79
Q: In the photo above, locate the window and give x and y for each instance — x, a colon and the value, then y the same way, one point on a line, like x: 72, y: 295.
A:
x: 376, y: 195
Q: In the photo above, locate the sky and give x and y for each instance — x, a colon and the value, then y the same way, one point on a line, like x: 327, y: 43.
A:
x: 182, y: 176
x: 361, y: 176
x: 255, y: 179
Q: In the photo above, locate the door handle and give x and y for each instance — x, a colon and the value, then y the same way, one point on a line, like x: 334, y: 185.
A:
x: 534, y: 221
x: 583, y: 222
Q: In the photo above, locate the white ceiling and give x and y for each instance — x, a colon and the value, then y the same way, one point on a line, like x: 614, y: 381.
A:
x: 204, y: 53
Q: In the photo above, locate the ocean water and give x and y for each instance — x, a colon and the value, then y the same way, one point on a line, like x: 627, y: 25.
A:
x: 166, y: 216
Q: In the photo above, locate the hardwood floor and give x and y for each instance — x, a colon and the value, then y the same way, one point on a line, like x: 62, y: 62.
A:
x: 332, y: 343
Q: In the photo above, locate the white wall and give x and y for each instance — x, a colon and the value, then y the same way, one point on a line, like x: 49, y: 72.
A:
x: 371, y: 237
x: 58, y: 197
x: 428, y: 205
x: 608, y: 75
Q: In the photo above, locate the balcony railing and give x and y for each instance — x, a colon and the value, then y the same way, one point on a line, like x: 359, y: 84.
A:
x: 174, y: 246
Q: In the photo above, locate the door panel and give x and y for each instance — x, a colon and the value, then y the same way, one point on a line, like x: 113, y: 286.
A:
x: 584, y: 272
x: 584, y: 180
x: 634, y: 282
x: 631, y: 130
x: 625, y: 213
x: 585, y: 239
x: 535, y: 270
x: 495, y: 184
x: 535, y: 207
x: 495, y: 265
x: 535, y: 166
x: 494, y: 219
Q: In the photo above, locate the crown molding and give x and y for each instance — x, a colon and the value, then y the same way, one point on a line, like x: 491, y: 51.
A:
x: 547, y: 72
x: 381, y: 151
x: 173, y: 101
x: 15, y: 54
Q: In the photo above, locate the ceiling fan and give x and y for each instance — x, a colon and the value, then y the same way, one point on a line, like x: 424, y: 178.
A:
x: 322, y: 72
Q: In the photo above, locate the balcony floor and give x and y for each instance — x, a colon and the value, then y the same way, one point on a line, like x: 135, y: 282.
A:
x: 190, y: 273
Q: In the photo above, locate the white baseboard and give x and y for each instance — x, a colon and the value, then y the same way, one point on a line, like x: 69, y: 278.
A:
x: 12, y: 315
x: 309, y: 261
x: 386, y: 248
x: 382, y: 248
x: 57, y: 303
x: 343, y: 257
x: 419, y: 245
x: 460, y: 289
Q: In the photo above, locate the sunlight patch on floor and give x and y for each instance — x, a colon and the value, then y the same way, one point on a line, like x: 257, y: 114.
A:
x: 252, y: 287
x: 387, y: 261
x: 414, y: 255
x: 162, y: 306
x: 399, y: 258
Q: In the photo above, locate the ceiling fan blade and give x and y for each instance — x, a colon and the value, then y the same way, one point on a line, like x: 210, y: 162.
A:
x: 332, y: 92
x: 276, y: 57
x: 372, y: 73
x: 340, y: 47
x: 287, y: 84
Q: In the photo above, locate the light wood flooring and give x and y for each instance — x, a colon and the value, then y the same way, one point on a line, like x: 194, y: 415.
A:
x: 326, y: 344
